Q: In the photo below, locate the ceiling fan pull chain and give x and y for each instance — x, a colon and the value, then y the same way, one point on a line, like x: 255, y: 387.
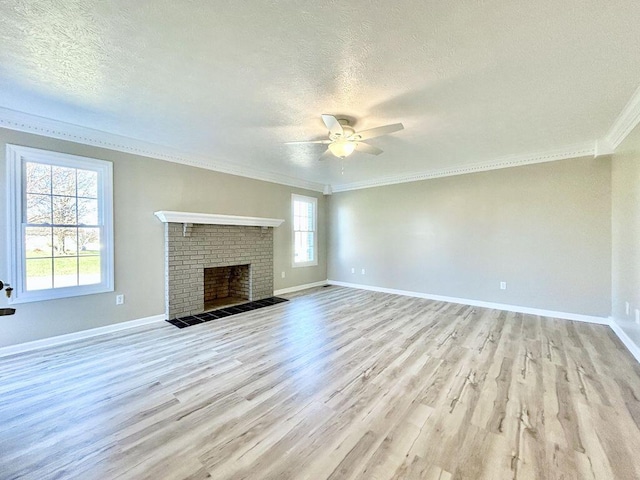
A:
x: 342, y: 162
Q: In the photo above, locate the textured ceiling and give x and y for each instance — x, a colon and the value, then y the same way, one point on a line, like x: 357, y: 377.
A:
x: 232, y: 81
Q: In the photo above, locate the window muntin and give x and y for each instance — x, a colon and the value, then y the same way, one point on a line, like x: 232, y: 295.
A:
x: 304, y: 213
x: 61, y: 242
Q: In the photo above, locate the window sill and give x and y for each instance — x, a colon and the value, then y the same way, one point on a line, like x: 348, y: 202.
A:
x: 305, y: 264
x: 54, y: 294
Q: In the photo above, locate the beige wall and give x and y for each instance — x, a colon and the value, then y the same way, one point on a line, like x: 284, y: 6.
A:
x: 142, y: 186
x: 625, y: 220
x: 544, y: 229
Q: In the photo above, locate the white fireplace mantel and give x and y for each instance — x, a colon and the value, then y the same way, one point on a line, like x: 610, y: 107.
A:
x: 215, y: 219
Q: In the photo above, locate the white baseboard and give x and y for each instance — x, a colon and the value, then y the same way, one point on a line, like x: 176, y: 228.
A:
x: 478, y: 303
x: 70, y: 337
x: 633, y: 348
x: 297, y: 288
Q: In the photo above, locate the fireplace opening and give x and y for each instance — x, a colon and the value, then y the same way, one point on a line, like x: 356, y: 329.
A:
x: 224, y: 286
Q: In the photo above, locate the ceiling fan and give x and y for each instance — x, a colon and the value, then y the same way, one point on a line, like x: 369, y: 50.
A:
x: 344, y: 140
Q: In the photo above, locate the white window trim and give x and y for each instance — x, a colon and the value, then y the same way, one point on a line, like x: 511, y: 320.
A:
x: 314, y: 262
x: 16, y: 257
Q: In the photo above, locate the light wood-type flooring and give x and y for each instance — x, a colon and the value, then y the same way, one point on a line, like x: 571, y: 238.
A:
x: 337, y: 383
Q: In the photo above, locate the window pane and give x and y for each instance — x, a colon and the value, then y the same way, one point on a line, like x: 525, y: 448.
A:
x: 39, y: 274
x: 303, y: 247
x: 87, y: 184
x: 38, y: 208
x: 65, y: 242
x: 38, y: 242
x: 298, y: 247
x: 310, y: 218
x: 38, y: 178
x: 89, y: 241
x: 309, y: 246
x: 64, y: 211
x: 65, y: 272
x: 303, y: 216
x: 90, y: 270
x: 304, y: 224
x: 63, y: 180
x: 87, y: 211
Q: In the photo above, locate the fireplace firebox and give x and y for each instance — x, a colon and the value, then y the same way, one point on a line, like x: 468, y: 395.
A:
x: 225, y: 286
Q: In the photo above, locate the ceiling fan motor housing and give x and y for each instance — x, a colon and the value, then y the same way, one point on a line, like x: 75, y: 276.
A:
x: 347, y: 130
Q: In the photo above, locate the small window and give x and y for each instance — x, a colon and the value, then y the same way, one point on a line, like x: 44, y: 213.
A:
x: 305, y: 245
x: 60, y: 234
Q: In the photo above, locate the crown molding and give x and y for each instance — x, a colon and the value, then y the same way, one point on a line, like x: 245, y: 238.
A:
x: 626, y: 121
x: 603, y: 147
x: 573, y: 151
x: 25, y: 122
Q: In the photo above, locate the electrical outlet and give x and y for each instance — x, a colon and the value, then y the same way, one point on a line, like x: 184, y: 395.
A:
x: 119, y: 299
x: 363, y: 271
x: 353, y: 270
x: 283, y: 274
x: 638, y: 316
x: 627, y: 308
x: 503, y: 285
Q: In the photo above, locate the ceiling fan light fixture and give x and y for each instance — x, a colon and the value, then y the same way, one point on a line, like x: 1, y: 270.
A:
x: 342, y: 149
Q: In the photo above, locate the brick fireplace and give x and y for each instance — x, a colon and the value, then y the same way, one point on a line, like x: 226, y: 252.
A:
x: 206, y: 262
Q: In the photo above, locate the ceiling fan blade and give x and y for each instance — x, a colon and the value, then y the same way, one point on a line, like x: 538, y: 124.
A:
x: 333, y: 125
x: 324, y: 142
x: 327, y: 154
x: 366, y: 148
x: 376, y: 132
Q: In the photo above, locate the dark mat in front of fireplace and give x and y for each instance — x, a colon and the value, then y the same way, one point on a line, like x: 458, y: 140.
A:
x: 184, y: 322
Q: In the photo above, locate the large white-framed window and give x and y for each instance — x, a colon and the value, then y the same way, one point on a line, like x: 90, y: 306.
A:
x: 60, y: 224
x: 305, y: 231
